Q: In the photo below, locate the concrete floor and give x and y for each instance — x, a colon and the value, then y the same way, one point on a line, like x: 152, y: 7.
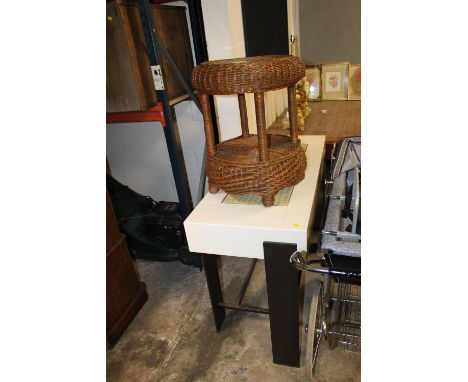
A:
x: 173, y: 337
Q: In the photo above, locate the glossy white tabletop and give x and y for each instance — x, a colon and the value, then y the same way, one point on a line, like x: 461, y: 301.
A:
x: 240, y: 230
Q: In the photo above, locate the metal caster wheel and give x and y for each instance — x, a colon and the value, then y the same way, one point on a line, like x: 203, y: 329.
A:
x: 314, y: 328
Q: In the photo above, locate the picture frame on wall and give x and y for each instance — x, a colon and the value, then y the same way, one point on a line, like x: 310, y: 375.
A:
x: 354, y: 82
x: 335, y: 81
x: 314, y: 80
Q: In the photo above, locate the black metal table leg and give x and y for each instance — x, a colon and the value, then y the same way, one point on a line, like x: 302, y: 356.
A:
x: 214, y: 288
x: 283, y: 302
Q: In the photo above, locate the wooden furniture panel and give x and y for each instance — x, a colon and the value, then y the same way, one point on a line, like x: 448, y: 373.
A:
x: 342, y: 119
x: 129, y: 83
x: 125, y: 293
x: 172, y: 30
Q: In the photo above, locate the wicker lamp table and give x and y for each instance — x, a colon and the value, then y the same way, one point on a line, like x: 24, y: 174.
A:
x: 261, y: 164
x: 215, y: 228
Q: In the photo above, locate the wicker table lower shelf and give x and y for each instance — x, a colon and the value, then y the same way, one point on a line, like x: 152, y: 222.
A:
x: 236, y: 167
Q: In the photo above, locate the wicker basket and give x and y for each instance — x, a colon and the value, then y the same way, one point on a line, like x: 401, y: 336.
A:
x: 260, y: 164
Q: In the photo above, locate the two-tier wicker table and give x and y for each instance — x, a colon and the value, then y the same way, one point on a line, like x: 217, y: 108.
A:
x: 260, y: 164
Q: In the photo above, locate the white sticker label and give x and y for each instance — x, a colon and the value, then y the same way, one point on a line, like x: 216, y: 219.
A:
x: 157, y: 77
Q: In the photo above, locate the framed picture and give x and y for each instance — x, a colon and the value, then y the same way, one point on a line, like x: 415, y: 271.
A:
x: 354, y: 82
x: 314, y: 82
x: 335, y: 81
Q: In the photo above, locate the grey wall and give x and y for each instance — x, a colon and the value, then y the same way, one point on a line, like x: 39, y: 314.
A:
x: 138, y: 156
x: 330, y: 31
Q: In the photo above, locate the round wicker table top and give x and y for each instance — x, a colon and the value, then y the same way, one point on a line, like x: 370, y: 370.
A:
x: 247, y: 75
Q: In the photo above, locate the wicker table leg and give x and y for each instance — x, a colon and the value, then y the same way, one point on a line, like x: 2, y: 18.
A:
x: 209, y: 133
x: 268, y: 200
x: 292, y: 109
x: 259, y: 99
x: 243, y: 115
x: 213, y: 188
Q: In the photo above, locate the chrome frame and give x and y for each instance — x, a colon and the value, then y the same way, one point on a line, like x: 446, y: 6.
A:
x: 342, y: 296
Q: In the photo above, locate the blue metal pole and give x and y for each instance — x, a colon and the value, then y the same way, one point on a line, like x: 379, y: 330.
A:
x: 171, y: 131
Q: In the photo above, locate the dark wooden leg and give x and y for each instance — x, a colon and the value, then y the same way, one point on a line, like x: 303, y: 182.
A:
x: 214, y: 288
x: 283, y: 302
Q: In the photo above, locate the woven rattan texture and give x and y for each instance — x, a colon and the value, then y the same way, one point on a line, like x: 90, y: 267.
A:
x: 247, y: 75
x: 236, y: 167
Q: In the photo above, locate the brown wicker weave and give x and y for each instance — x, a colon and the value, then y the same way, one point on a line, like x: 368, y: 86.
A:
x: 247, y: 75
x: 261, y: 164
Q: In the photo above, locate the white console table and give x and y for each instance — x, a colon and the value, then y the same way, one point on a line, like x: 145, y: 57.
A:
x: 271, y: 233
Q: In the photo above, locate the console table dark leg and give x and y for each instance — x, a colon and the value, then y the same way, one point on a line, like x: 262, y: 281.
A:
x: 214, y: 288
x: 283, y: 302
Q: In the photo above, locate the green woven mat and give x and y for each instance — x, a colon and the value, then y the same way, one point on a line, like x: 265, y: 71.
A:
x: 281, y: 198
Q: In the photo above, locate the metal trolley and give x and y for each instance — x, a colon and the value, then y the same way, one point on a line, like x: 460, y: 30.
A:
x: 335, y: 312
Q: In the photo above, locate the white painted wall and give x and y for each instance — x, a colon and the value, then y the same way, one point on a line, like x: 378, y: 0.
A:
x: 224, y: 39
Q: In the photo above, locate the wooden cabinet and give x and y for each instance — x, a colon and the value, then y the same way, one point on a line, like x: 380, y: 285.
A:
x: 172, y: 30
x: 129, y: 82
x: 125, y: 293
